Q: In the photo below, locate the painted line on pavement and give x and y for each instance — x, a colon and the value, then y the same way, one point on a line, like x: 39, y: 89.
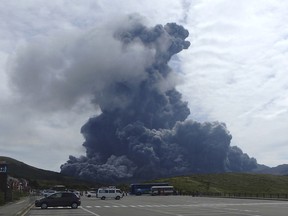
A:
x: 89, y: 211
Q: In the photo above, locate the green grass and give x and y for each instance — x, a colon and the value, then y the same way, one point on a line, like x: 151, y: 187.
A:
x: 230, y: 183
x: 2, y: 201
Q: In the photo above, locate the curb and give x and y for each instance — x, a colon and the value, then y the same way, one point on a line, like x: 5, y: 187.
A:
x: 27, y: 207
x: 25, y: 210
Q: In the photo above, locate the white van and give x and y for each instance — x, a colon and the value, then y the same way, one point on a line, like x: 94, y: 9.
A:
x: 112, y: 193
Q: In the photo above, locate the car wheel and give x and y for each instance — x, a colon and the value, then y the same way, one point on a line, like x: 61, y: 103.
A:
x: 44, y: 206
x: 117, y: 197
x: 89, y: 195
x: 103, y: 198
x: 74, y: 205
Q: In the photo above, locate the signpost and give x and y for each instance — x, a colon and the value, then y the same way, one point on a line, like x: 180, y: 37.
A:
x: 3, y: 178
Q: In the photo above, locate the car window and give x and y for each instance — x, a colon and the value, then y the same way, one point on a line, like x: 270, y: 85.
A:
x: 111, y: 191
x: 56, y: 195
x: 68, y: 195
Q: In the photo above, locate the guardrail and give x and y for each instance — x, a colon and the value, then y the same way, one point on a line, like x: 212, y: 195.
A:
x: 282, y: 196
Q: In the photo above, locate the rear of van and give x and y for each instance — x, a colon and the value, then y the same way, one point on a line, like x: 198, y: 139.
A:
x: 110, y: 193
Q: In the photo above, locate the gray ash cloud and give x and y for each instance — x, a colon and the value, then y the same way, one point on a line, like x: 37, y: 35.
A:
x: 143, y: 131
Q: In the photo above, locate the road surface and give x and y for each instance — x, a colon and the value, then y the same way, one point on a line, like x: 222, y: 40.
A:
x: 169, y: 206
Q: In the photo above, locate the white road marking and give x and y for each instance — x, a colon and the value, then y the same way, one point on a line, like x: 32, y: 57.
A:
x: 186, y: 205
x: 89, y: 211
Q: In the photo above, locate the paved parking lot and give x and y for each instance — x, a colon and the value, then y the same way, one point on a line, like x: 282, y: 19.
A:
x: 170, y: 205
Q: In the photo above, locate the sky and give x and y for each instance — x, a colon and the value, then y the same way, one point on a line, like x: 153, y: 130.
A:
x: 233, y: 72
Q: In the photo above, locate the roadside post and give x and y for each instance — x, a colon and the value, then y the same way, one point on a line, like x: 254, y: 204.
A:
x: 3, y: 179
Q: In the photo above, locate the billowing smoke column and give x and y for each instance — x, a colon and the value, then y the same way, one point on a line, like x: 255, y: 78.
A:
x: 143, y: 131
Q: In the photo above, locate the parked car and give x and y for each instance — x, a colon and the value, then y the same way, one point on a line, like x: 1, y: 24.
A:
x: 48, y: 192
x: 76, y: 192
x: 59, y: 199
x: 113, y: 193
x: 91, y: 194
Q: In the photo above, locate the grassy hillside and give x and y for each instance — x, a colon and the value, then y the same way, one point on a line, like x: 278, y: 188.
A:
x: 230, y: 183
x: 40, y: 178
x: 214, y: 183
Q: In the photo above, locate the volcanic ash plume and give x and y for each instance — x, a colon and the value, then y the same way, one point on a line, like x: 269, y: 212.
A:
x: 143, y: 131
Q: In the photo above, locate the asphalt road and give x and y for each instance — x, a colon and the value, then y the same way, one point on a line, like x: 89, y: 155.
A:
x: 170, y: 206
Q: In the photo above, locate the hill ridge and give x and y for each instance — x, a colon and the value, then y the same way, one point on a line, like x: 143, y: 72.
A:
x: 39, y: 177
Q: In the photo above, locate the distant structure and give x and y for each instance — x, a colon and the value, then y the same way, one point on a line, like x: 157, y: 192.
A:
x: 59, y: 188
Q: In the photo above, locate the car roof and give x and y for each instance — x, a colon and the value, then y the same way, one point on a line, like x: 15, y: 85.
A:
x: 57, y: 192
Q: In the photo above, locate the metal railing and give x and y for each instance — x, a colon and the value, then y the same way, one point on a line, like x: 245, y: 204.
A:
x: 280, y: 196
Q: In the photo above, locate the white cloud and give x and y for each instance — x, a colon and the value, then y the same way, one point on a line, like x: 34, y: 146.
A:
x: 38, y: 32
x: 234, y: 71
x: 237, y: 69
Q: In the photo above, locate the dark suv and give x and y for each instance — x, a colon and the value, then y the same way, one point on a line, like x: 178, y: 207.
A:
x: 59, y: 199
